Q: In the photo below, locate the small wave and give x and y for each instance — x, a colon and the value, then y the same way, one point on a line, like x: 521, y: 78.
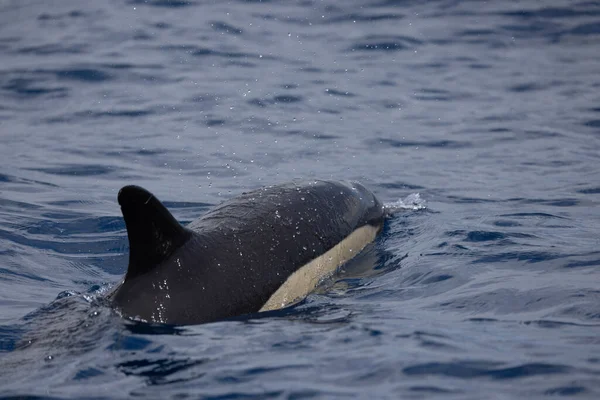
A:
x: 385, y: 43
x: 364, y: 17
x: 226, y: 28
x: 83, y: 74
x: 52, y: 49
x: 339, y: 93
x: 28, y: 87
x: 162, y: 3
x: 386, y: 143
x: 469, y: 369
x: 276, y: 100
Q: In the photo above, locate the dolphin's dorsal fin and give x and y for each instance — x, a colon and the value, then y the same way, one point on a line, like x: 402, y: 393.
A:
x: 153, y: 232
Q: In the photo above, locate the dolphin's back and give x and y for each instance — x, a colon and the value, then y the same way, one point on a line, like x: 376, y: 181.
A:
x: 308, y: 217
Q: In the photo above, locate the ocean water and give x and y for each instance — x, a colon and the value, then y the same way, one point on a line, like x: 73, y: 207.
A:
x: 489, y: 111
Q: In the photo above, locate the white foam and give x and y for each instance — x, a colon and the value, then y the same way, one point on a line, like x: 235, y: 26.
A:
x: 412, y: 202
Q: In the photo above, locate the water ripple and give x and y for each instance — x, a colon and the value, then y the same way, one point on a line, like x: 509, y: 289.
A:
x: 385, y: 44
x: 471, y: 369
x: 162, y: 3
x: 489, y: 112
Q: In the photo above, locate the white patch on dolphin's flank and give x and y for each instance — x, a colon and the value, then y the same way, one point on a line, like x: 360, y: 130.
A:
x: 307, y: 277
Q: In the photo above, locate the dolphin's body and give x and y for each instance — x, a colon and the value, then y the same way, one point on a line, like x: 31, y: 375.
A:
x: 260, y: 251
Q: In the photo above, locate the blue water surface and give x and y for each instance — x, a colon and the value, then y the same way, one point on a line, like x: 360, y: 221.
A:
x: 489, y: 110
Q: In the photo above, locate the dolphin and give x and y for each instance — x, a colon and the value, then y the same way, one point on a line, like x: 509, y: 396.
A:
x: 260, y: 251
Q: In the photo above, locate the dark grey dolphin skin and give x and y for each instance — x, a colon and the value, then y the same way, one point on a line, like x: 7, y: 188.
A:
x: 231, y: 260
